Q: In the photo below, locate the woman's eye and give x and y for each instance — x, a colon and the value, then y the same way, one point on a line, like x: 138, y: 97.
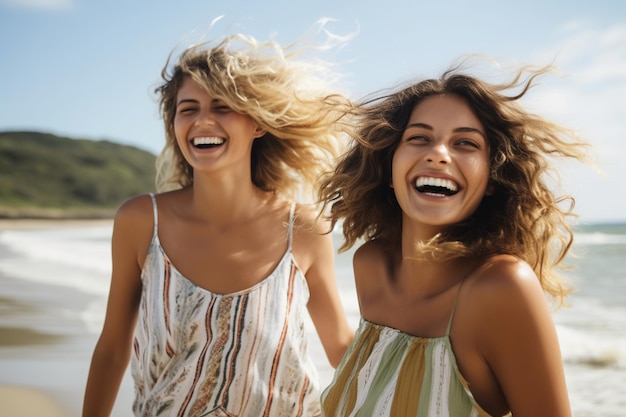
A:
x: 417, y: 138
x: 183, y: 110
x: 221, y: 108
x: 468, y: 143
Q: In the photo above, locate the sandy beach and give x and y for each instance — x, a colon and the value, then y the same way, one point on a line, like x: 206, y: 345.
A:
x: 24, y: 402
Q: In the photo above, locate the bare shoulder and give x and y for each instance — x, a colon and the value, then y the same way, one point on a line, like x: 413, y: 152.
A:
x: 140, y: 208
x: 503, y: 315
x: 372, y: 264
x: 310, y: 231
x: 501, y: 275
x: 312, y: 240
x: 137, y: 209
x: 308, y: 222
x: 370, y: 254
x: 133, y: 226
x: 503, y: 289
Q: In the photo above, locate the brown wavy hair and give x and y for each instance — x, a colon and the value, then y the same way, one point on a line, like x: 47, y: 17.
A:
x: 524, y: 217
x: 293, y: 100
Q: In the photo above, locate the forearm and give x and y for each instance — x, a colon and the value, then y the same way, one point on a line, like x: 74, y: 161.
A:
x: 105, y: 376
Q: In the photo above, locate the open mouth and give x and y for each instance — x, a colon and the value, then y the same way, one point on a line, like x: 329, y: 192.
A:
x: 436, y: 186
x: 207, y: 142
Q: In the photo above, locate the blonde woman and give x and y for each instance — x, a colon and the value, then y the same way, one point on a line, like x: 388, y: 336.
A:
x: 212, y: 277
x: 446, y: 184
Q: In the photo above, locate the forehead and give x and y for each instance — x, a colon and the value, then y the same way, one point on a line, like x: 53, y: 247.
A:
x: 189, y: 87
x: 445, y: 110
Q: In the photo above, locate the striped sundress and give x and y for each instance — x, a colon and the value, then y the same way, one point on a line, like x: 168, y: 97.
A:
x: 389, y: 373
x: 244, y: 354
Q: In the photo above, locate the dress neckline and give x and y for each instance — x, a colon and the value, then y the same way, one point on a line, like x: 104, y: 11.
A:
x: 286, y: 255
x: 156, y: 242
x: 402, y: 333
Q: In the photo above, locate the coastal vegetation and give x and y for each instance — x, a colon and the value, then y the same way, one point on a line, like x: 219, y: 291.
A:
x: 48, y: 176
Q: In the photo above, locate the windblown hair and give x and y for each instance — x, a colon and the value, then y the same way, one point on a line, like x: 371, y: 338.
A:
x: 523, y: 217
x: 292, y: 100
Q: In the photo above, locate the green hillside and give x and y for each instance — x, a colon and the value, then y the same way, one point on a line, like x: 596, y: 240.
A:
x: 43, y: 175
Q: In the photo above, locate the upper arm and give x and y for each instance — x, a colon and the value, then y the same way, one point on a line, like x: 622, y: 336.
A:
x: 129, y: 242
x: 315, y: 248
x: 519, y: 341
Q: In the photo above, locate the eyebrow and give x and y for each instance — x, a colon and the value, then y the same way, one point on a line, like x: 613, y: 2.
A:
x: 194, y: 101
x: 187, y: 100
x: 458, y: 129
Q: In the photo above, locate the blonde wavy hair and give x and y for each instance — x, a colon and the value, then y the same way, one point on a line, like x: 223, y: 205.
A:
x: 523, y: 217
x: 291, y: 99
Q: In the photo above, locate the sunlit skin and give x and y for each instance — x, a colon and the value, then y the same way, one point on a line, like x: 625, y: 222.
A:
x: 228, y: 135
x: 502, y: 335
x: 223, y: 233
x: 445, y: 140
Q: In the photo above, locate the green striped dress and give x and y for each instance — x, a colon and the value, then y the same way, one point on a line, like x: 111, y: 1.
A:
x: 386, y: 372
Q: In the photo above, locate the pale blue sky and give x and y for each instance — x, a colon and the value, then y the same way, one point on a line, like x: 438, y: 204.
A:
x: 87, y: 68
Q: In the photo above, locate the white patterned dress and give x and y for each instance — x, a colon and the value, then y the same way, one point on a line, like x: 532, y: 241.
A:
x: 244, y: 354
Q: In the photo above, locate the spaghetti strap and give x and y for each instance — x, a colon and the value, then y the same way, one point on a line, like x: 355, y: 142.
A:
x: 458, y: 294
x: 155, y: 214
x: 291, y: 220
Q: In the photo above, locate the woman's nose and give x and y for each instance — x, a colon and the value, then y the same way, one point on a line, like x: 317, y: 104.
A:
x: 205, y: 118
x: 438, y: 154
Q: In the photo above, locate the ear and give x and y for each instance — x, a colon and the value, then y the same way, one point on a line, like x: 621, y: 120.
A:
x: 258, y: 132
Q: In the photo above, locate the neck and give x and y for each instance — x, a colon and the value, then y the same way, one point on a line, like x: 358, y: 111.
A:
x: 423, y: 280
x: 414, y: 234
x: 422, y: 277
x: 226, y: 201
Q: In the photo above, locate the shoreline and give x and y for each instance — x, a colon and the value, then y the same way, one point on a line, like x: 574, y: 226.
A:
x: 24, y: 223
x: 43, y: 350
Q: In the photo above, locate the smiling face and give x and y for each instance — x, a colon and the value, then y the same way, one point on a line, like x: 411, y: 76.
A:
x: 440, y: 169
x: 209, y: 133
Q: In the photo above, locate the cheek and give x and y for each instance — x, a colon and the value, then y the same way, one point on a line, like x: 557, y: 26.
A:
x: 180, y: 136
x: 484, y: 186
x: 486, y: 172
x: 398, y: 161
x: 401, y: 164
x: 400, y: 167
x: 478, y: 169
x: 395, y: 170
x: 177, y: 127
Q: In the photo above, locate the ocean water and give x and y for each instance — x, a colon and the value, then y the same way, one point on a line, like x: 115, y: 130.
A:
x: 592, y: 330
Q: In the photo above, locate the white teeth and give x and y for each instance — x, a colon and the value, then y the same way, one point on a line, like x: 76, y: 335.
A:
x: 436, y: 182
x: 208, y: 141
